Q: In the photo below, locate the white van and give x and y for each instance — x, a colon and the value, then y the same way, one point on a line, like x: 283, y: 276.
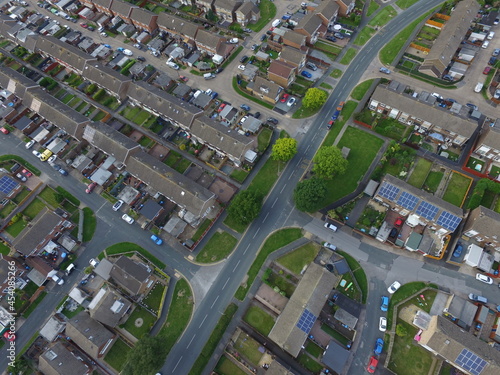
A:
x: 276, y: 23
x: 70, y: 268
x: 208, y: 76
x: 173, y: 65
x: 491, y: 35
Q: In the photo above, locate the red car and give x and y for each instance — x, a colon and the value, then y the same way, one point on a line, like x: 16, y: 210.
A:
x: 330, y: 124
x: 486, y: 70
x: 4, y: 131
x: 221, y: 107
x: 340, y: 106
x: 27, y: 173
x: 284, y: 98
x: 372, y: 365
x: 398, y: 222
x: 84, y: 25
x: 91, y: 187
x: 185, y: 79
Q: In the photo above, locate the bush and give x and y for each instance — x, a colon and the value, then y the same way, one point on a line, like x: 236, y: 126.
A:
x: 401, y: 330
x: 91, y: 89
x: 99, y: 94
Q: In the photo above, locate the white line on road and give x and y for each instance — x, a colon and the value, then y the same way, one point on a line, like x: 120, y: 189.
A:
x: 237, y: 264
x: 263, y: 222
x: 274, y: 202
x: 179, y: 361
x: 291, y: 174
x: 256, y: 232
x: 308, y: 147
x: 283, y: 188
x: 203, y: 321
x: 226, y: 283
x: 249, y: 244
x: 214, y: 302
x: 187, y: 347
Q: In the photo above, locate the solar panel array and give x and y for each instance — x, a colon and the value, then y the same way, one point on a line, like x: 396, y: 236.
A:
x: 407, y: 200
x: 7, y: 184
x: 471, y: 362
x: 427, y: 210
x: 306, y: 321
x: 448, y: 220
x: 388, y: 191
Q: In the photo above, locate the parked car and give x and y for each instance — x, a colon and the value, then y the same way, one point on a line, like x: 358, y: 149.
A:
x: 26, y: 173
x: 330, y: 124
x: 306, y: 74
x: 473, y: 107
x: 447, y: 77
x: 245, y: 107
x: 63, y: 172
x: 384, y: 70
x: 497, y: 20
x: 141, y: 58
x: 486, y: 70
x: 394, y: 286
x: 330, y: 246
x: 221, y: 107
x: 90, y: 188
x: 478, y: 87
x: 291, y: 101
x: 128, y: 219
x: 372, y: 365
x: 256, y: 115
x: 476, y: 298
x: 36, y: 153
x: 183, y: 78
x: 243, y: 59
x: 492, y: 60
x: 273, y: 120
x: 243, y: 119
x: 233, y: 41
x: 393, y: 233
x: 284, y: 98
x: 241, y: 67
x: 254, y: 47
x: 52, y: 159
x: 382, y: 324
x: 4, y: 131
x: 118, y: 205
x: 338, y: 35
x: 398, y: 222
x: 330, y: 226
x: 218, y: 70
x: 335, y: 115
x: 485, y: 44
x: 263, y: 37
x: 379, y: 346
x: 93, y: 262
x: 172, y: 65
x: 483, y: 278
x: 331, y: 38
x: 21, y: 177
x: 157, y: 240
x: 384, y: 304
x: 138, y: 46
x: 30, y: 144
x: 56, y: 167
x: 311, y: 66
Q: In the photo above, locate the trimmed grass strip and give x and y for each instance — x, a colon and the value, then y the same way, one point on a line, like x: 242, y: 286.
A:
x: 217, y: 248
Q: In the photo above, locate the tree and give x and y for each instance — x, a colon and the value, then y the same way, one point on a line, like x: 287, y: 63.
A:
x: 401, y: 330
x: 309, y: 193
x: 328, y: 162
x: 147, y: 357
x: 314, y: 98
x: 245, y: 206
x: 284, y: 149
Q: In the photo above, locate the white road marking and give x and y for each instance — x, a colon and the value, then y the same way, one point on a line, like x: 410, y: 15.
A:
x: 226, y: 283
x: 263, y: 221
x: 187, y: 347
x: 179, y: 361
x: 203, y: 321
x: 214, y: 302
x: 256, y: 232
x: 237, y: 264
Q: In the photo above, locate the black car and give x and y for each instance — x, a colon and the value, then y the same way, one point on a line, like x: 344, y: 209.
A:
x: 492, y: 61
x: 141, y: 58
x: 339, y: 35
x: 331, y: 38
x: 272, y: 120
x: 263, y: 37
x: 256, y: 114
x: 394, y: 233
x: 218, y: 70
x: 244, y: 59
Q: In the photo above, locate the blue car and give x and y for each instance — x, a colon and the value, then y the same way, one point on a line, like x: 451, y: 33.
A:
x: 306, y: 74
x: 385, y: 303
x: 245, y: 107
x: 157, y: 240
x: 379, y: 346
x: 336, y: 115
x: 458, y: 250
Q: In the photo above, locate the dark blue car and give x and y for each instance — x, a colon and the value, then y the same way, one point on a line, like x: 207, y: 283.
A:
x: 335, y: 115
x: 458, y: 250
x: 306, y: 74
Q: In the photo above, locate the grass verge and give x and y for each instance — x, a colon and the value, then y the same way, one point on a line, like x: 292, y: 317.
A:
x: 217, y: 248
x: 360, y: 90
x: 296, y: 260
x: 129, y: 247
x: 89, y: 224
x: 348, y: 56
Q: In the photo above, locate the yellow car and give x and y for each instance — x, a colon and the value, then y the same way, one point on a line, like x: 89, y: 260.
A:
x: 45, y: 155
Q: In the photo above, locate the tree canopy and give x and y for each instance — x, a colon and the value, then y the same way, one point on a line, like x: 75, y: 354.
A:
x: 308, y: 194
x: 245, y: 206
x: 314, y: 98
x: 284, y: 149
x: 328, y: 162
x: 147, y: 357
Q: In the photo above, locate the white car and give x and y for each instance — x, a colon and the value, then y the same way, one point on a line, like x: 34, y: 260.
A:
x: 128, y: 219
x: 331, y: 227
x: 241, y: 67
x: 437, y: 96
x: 172, y: 65
x: 478, y: 87
x: 117, y: 205
x: 394, y: 286
x: 483, y: 278
x: 36, y: 153
x: 127, y: 52
x: 93, y: 262
x: 30, y: 144
x: 330, y: 246
x: 485, y: 44
x: 52, y: 159
x: 233, y: 41
x: 291, y: 101
x: 243, y: 119
x: 382, y: 325
x: 209, y: 92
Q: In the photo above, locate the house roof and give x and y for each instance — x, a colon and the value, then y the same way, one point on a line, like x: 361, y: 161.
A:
x: 143, y: 16
x: 292, y: 55
x: 209, y: 39
x: 14, y: 81
x: 110, y: 141
x: 178, y: 25
x: 173, y: 185
x: 335, y: 357
x: 105, y: 76
x: 227, y: 5
x: 247, y: 8
x: 161, y: 102
x: 280, y: 68
x: 129, y: 274
x: 311, y: 294
x: 88, y: 334
x: 108, y: 307
x: 328, y: 9
x: 484, y: 221
x: 462, y: 309
x: 103, y: 3
x: 266, y: 87
x: 202, y: 100
x: 449, y: 340
x: 40, y: 265
x: 490, y: 137
x: 150, y: 209
x: 222, y: 138
x: 60, y: 114
x: 33, y: 235
x: 310, y: 23
x: 64, y: 52
x: 122, y: 8
x: 58, y: 360
x: 435, y: 115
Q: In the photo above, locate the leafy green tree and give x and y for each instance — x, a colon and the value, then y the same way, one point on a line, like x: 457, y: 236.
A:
x: 314, y: 98
x: 245, y: 206
x: 328, y: 162
x: 147, y: 357
x: 308, y: 194
x: 401, y: 330
x: 284, y: 149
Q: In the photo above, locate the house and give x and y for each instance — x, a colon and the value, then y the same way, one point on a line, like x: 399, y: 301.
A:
x: 178, y: 26
x: 311, y: 26
x: 64, y: 53
x: 450, y: 38
x: 10, y: 187
x: 247, y: 13
x: 103, y: 6
x: 425, y: 208
x: 265, y: 89
x: 15, y: 82
x: 188, y: 195
x: 281, y: 73
x: 488, y: 143
x: 345, y: 7
x: 205, y: 5
x: 109, y: 307
x: 10, y: 269
x: 40, y: 270
x: 328, y: 11
x: 24, y: 124
x: 293, y: 325
x: 226, y: 9
x: 294, y: 57
x: 62, y: 359
x: 144, y: 19
x: 58, y: 113
x: 89, y: 335
x: 221, y: 139
x: 115, y: 83
x: 211, y: 43
x: 441, y: 124
x: 133, y: 277
x: 110, y: 141
x: 483, y: 225
x: 460, y: 348
x: 46, y: 226
x: 122, y: 9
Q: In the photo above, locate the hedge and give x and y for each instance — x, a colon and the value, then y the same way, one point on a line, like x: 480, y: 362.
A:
x: 68, y: 196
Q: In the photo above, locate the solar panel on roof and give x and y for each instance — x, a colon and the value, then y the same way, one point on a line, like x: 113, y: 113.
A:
x: 407, y: 200
x: 388, y: 191
x: 448, y: 220
x: 471, y: 362
x: 427, y: 210
x: 306, y: 321
x: 7, y: 184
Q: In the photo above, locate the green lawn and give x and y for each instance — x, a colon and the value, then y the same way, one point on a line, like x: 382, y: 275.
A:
x: 346, y: 113
x: 154, y: 297
x: 239, y: 175
x: 382, y: 17
x: 310, y: 364
x: 405, y: 291
x: 364, y: 148
x: 249, y: 348
x: 182, y: 165
x: 336, y: 73
x: 348, y: 56
x: 172, y: 158
x: 4, y: 249
x: 281, y: 282
x: 16, y: 228
x: 267, y: 13
x: 364, y: 34
x: 217, y: 248
x: 457, y: 188
x: 7, y: 209
x: 297, y: 259
x: 420, y: 172
x: 70, y: 314
x: 405, y: 4
x: 142, y: 328
x: 274, y: 242
x: 117, y: 355
x: 21, y: 195
x: 34, y: 304
x: 314, y: 349
x: 34, y: 208
x: 326, y: 86
x: 360, y: 90
x: 89, y: 224
x: 324, y: 46
x: 141, y: 117
x: 259, y: 319
x: 49, y: 195
x: 263, y: 139
x: 335, y: 334
x: 372, y: 8
x: 201, y: 229
x: 226, y: 367
x: 391, y: 128
x: 129, y: 247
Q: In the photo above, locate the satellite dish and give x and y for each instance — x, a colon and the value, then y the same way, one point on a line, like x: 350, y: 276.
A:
x: 337, y: 27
